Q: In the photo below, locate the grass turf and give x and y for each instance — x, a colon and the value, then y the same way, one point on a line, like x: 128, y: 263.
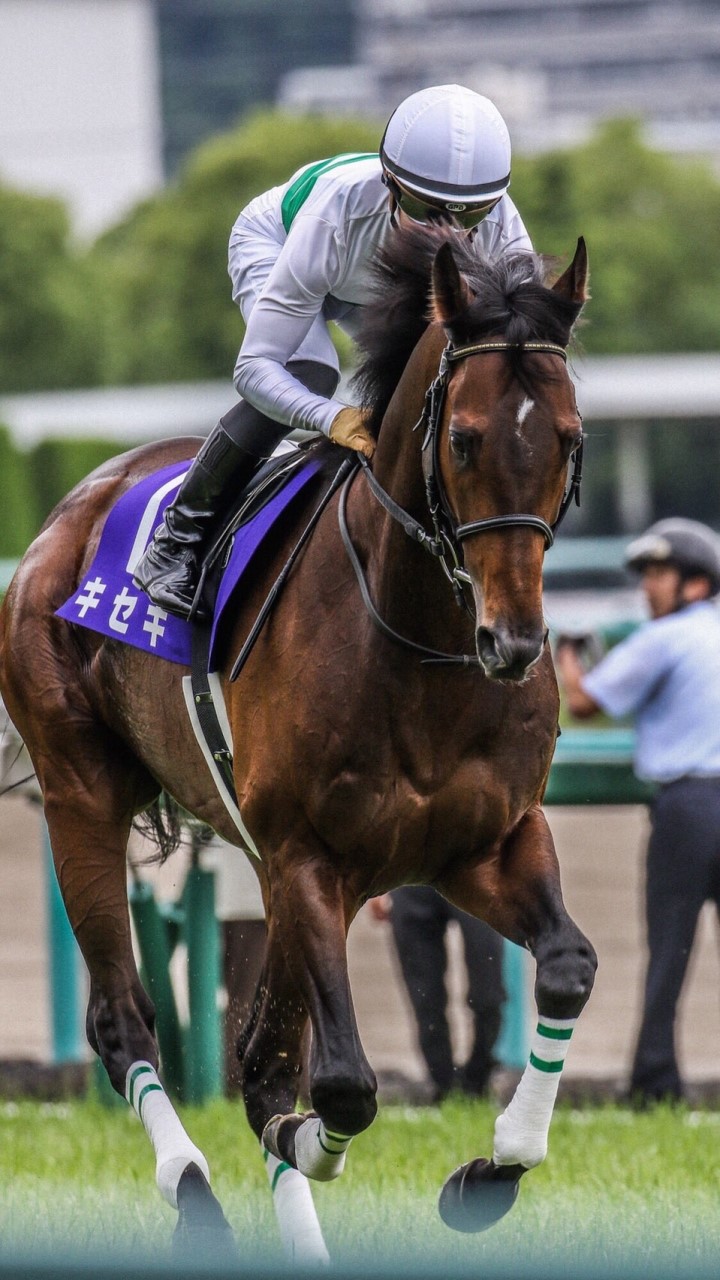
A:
x: 616, y: 1186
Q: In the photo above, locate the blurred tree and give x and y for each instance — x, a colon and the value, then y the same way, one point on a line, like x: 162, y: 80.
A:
x: 652, y: 224
x: 21, y: 516
x: 48, y: 307
x: 169, y: 313
x: 151, y: 300
x: 55, y: 466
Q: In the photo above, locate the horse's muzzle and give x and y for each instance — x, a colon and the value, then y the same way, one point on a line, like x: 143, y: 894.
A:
x: 505, y: 655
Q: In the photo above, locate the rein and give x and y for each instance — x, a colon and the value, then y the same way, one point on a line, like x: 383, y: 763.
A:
x: 443, y: 542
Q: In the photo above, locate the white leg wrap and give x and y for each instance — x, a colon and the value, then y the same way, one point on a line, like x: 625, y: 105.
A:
x: 319, y: 1154
x: 298, y: 1222
x: 521, y: 1132
x: 173, y: 1149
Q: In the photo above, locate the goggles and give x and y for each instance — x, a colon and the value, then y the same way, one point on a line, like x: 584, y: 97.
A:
x: 425, y: 212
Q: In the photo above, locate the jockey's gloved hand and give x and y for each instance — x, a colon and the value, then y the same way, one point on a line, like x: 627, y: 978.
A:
x: 349, y: 429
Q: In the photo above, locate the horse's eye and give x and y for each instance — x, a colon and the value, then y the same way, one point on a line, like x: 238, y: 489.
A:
x: 463, y: 444
x: 572, y: 443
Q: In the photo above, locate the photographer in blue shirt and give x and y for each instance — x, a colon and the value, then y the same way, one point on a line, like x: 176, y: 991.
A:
x: 667, y: 675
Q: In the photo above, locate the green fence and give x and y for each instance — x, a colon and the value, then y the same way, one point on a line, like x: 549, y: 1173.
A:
x: 594, y: 766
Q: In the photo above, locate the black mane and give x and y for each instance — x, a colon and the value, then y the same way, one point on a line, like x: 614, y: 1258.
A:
x: 511, y: 299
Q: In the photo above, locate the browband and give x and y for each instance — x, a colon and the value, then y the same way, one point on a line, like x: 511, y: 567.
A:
x: 477, y: 348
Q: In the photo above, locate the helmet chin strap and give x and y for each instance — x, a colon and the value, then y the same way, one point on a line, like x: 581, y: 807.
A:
x: 388, y: 182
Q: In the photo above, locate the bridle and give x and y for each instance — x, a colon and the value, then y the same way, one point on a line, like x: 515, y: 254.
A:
x: 447, y: 535
x: 444, y: 522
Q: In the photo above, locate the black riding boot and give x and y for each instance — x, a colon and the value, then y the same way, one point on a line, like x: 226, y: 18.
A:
x: 169, y: 571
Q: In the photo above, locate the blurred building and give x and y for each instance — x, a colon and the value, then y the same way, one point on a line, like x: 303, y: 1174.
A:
x: 80, y: 113
x: 554, y: 69
x: 101, y: 99
x: 220, y: 58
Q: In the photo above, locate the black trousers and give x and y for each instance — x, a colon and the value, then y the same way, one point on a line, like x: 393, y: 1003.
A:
x: 420, y: 918
x: 683, y: 873
x: 253, y: 432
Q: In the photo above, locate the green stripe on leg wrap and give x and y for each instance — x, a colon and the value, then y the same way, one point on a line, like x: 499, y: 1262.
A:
x: 554, y: 1033
x: 149, y: 1088
x: 332, y: 1151
x: 338, y: 1137
x: 281, y: 1169
x: 139, y: 1071
x: 542, y: 1065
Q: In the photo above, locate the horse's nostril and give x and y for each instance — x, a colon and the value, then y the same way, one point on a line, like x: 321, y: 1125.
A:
x: 505, y: 656
x: 486, y: 649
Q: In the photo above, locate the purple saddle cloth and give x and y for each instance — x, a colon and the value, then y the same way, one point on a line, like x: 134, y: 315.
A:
x: 108, y: 601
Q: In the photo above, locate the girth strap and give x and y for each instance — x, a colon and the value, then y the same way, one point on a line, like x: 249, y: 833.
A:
x: 205, y: 707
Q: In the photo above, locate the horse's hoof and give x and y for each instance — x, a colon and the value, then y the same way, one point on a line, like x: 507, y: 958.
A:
x: 202, y: 1232
x: 478, y: 1194
x: 278, y: 1136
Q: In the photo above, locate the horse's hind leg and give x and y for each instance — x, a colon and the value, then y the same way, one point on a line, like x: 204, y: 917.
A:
x: 89, y: 789
x: 519, y: 895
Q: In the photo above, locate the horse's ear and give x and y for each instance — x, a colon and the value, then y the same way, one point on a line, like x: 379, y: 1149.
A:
x: 573, y: 283
x: 450, y: 294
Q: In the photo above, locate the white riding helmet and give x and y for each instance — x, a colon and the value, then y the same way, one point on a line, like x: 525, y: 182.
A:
x: 447, y: 148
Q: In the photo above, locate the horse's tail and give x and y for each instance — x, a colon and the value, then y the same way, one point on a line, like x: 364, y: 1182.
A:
x: 162, y: 824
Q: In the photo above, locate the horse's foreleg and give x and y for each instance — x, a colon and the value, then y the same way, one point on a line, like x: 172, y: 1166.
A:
x: 271, y: 1052
x: 519, y: 894
x: 311, y: 916
x: 88, y: 834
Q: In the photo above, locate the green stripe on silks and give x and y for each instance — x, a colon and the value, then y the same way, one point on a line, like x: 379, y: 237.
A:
x: 542, y: 1065
x: 299, y: 190
x: 554, y: 1033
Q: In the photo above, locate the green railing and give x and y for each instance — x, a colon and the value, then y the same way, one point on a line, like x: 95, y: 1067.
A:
x: 594, y: 766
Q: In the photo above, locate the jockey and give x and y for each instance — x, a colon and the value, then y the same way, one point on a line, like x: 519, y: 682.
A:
x: 302, y: 255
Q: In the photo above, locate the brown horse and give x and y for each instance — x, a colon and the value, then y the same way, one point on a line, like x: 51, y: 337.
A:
x: 382, y: 735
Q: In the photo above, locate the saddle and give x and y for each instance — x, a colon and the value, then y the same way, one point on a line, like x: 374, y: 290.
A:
x: 262, y: 487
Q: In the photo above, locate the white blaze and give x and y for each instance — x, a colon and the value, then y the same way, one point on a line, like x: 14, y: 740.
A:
x: 524, y: 410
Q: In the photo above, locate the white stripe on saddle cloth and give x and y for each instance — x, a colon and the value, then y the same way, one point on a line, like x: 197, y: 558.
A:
x: 148, y: 521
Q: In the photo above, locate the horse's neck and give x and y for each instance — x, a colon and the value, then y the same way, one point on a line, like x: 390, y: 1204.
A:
x: 408, y: 584
x: 398, y: 459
